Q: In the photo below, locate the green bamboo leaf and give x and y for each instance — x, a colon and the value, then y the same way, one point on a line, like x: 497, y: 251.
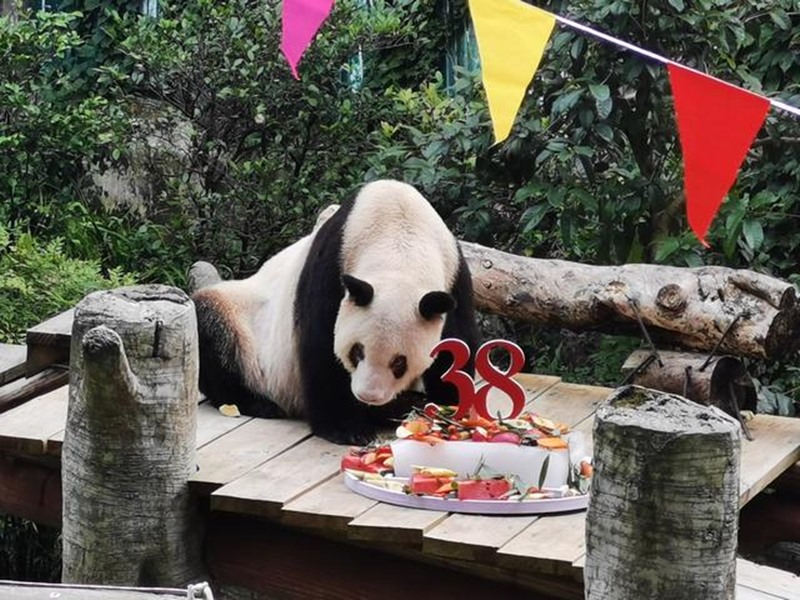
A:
x: 543, y: 472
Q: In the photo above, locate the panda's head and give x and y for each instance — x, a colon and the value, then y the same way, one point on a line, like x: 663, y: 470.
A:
x: 384, y: 333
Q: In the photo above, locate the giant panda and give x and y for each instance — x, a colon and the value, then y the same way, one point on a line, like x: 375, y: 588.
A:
x: 338, y: 327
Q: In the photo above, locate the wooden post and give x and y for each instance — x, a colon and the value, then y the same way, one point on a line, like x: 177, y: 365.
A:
x: 663, y: 516
x: 129, y: 446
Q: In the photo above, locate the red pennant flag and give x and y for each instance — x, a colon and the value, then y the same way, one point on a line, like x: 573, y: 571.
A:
x: 717, y: 123
x: 300, y: 23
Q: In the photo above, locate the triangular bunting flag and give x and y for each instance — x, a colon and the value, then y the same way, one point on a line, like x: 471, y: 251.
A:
x: 717, y: 123
x: 301, y: 21
x: 511, y: 39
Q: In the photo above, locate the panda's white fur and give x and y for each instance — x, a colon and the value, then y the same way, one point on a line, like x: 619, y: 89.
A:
x: 285, y: 336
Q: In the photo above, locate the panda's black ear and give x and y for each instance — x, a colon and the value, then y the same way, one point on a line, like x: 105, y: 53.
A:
x: 360, y: 291
x: 436, y: 303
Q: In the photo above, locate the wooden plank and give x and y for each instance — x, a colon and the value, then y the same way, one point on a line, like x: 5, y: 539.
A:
x: 746, y: 593
x: 408, y: 526
x: 275, y: 562
x: 42, y: 591
x: 330, y: 506
x: 536, y: 384
x: 212, y: 424
x: 550, y: 545
x: 12, y: 362
x: 28, y: 427
x: 569, y: 403
x: 21, y: 390
x: 473, y: 537
x: 777, y: 583
x: 775, y: 448
x: 264, y: 491
x: 48, y: 342
x: 394, y: 524
x: 30, y: 491
x: 244, y: 448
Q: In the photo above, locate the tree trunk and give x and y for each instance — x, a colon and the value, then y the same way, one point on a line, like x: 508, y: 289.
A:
x: 129, y: 446
x: 691, y: 308
x: 663, y: 518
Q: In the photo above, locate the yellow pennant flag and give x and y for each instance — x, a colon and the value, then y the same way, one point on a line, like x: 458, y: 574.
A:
x: 511, y: 39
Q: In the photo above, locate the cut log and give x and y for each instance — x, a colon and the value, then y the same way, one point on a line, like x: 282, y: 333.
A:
x: 662, y: 522
x: 711, y: 382
x: 129, y: 446
x: 690, y: 308
x: 21, y: 390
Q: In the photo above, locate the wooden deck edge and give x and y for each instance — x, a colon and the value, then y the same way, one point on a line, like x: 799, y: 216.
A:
x: 12, y: 362
x: 271, y: 559
x: 31, y: 491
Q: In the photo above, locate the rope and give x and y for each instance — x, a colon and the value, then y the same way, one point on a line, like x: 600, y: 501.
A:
x: 661, y: 59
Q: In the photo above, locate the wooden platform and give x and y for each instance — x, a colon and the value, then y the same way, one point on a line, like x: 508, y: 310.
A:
x: 274, y: 473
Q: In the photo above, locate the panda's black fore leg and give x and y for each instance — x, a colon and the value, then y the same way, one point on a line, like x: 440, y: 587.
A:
x: 353, y: 433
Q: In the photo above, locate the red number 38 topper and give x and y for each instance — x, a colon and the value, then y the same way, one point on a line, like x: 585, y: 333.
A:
x: 470, y: 398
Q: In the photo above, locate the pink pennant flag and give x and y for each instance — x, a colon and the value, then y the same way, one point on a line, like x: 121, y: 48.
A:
x: 717, y: 123
x: 301, y: 21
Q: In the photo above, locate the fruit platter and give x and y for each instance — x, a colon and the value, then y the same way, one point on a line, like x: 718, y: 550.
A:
x: 522, y: 465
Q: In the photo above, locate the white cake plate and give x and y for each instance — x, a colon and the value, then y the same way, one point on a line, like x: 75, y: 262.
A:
x: 485, y: 507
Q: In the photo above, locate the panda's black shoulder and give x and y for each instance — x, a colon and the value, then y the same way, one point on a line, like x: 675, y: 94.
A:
x: 319, y: 287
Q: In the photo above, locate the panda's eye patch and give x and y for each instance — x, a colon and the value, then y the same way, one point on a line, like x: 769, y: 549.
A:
x: 399, y: 366
x: 356, y: 354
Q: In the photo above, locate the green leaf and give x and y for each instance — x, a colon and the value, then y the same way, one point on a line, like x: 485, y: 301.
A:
x: 753, y: 233
x: 604, y: 107
x: 533, y: 216
x: 565, y: 102
x: 677, y: 5
x: 543, y: 472
x: 781, y: 19
x: 600, y: 91
x: 605, y: 132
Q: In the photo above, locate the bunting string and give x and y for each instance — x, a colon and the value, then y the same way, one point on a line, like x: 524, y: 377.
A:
x: 716, y: 121
x: 656, y: 57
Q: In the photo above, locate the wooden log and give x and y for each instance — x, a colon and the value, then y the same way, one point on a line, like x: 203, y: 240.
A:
x: 712, y: 382
x: 21, y: 390
x: 129, y: 446
x: 662, y: 522
x: 691, y: 308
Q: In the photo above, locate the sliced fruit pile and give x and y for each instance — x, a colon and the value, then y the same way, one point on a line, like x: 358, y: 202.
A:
x: 375, y: 464
x: 437, y: 424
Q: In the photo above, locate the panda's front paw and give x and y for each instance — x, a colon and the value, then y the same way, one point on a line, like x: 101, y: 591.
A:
x: 352, y: 436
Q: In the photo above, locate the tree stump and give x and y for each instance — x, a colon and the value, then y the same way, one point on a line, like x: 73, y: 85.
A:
x: 129, y: 446
x: 663, y: 516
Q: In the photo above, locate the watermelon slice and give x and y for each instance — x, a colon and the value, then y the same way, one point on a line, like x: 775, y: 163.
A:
x: 483, y: 489
x: 429, y: 486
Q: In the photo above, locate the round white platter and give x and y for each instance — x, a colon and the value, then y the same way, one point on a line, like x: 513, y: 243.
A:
x: 485, y: 507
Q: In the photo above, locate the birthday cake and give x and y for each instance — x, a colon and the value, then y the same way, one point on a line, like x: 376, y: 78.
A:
x: 433, y: 453
x: 461, y: 459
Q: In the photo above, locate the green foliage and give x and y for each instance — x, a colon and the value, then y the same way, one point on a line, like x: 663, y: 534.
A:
x: 37, y: 281
x: 29, y: 552
x: 257, y: 153
x: 54, y: 127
